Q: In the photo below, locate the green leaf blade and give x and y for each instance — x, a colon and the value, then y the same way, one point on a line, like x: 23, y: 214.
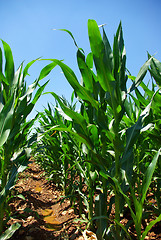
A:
x: 6, y: 116
x: 148, y: 176
x: 9, y: 65
x: 99, y: 55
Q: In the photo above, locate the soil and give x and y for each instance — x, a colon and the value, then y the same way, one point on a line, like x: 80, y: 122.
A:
x: 44, y: 213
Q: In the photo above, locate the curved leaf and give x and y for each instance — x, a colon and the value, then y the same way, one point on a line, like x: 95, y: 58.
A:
x: 46, y: 70
x: 100, y: 59
x: 148, y: 176
x: 10, y: 231
x: 9, y: 66
x: 72, y: 79
x: 141, y: 75
x: 85, y: 71
x: 6, y: 116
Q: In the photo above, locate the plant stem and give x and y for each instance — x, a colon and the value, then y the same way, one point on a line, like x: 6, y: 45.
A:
x: 80, y: 199
x: 90, y: 214
x: 1, y: 217
x: 2, y: 203
x: 5, y: 171
x: 117, y: 176
x: 117, y: 212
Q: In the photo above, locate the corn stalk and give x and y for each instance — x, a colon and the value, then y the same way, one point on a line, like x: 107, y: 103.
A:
x: 16, y: 103
x: 109, y: 127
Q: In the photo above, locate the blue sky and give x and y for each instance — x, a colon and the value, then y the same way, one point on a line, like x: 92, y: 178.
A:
x: 26, y: 25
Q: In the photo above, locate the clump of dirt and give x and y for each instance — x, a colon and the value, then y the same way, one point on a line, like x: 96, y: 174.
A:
x: 40, y: 210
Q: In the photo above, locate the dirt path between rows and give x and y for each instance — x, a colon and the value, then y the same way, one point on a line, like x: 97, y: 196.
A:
x: 42, y: 214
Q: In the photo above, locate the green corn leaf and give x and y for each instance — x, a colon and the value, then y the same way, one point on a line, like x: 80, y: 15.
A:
x: 25, y: 71
x: 1, y: 101
x: 78, y: 118
x: 116, y: 185
x: 128, y: 107
x: 85, y: 71
x: 146, y: 89
x: 9, y: 66
x: 21, y: 161
x: 10, y: 231
x: 1, y: 60
x: 28, y: 93
x: 28, y: 125
x: 116, y: 58
x: 22, y: 101
x: 101, y: 62
x: 39, y: 92
x: 155, y: 65
x: 148, y: 176
x: 72, y: 97
x: 137, y: 205
x: 156, y: 77
x: 6, y: 116
x: 100, y: 209
x: 81, y: 138
x: 3, y: 79
x: 137, y: 103
x: 124, y: 228
x: 120, y: 40
x: 149, y: 226
x: 65, y: 116
x: 122, y: 78
x: 89, y: 60
x: 46, y: 70
x: 24, y: 108
x: 17, y: 81
x: 15, y: 104
x: 20, y: 196
x: 108, y: 51
x: 94, y: 134
x: 155, y: 70
x: 141, y: 75
x: 65, y: 30
x: 83, y: 172
x: 50, y: 110
x: 81, y: 91
x: 132, y: 134
x: 141, y: 98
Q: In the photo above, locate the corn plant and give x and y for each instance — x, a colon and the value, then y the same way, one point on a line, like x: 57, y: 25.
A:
x: 59, y: 155
x: 109, y: 130
x: 16, y: 103
x: 54, y: 152
x: 153, y: 131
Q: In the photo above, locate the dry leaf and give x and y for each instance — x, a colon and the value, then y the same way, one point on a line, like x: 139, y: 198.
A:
x: 52, y: 223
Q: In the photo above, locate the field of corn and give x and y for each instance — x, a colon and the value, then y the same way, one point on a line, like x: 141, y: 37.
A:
x: 102, y: 148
